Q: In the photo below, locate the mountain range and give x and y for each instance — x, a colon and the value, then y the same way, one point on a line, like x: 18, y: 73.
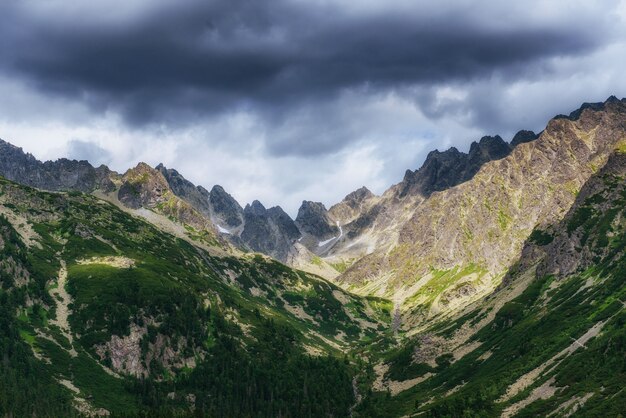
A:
x: 487, y: 283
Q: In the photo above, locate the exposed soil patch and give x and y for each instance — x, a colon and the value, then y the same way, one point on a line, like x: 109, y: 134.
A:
x: 63, y: 300
x: 544, y: 391
x: 113, y: 261
x: 29, y: 237
x: 382, y: 384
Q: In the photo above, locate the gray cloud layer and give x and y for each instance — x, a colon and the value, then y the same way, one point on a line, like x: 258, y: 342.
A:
x: 311, y: 78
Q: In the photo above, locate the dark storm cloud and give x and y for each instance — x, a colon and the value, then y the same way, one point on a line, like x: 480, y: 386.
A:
x: 181, y: 62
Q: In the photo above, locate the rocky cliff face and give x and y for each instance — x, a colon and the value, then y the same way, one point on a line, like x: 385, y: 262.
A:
x: 477, y: 229
x: 60, y: 175
x: 269, y: 231
x: 313, y: 219
x: 225, y: 208
x: 352, y: 205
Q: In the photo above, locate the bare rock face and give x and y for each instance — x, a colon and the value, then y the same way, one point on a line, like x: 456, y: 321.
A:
x: 523, y: 137
x: 127, y: 356
x: 143, y: 186
x: 482, y: 224
x: 60, y: 175
x: 125, y: 353
x: 353, y: 205
x: 313, y: 219
x: 225, y: 207
x: 443, y: 170
x: 269, y: 231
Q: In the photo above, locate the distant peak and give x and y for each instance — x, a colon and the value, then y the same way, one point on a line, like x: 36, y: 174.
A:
x: 310, y: 205
x: 612, y: 99
x: 595, y: 106
x: 218, y: 189
x: 143, y: 166
x: 488, y: 139
x: 277, y: 210
x: 360, y: 194
x: 523, y: 136
x: 256, y: 207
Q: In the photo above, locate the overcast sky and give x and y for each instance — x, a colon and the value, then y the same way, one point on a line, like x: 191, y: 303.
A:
x: 285, y: 100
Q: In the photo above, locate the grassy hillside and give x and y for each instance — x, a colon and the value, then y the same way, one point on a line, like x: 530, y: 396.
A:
x: 104, y: 311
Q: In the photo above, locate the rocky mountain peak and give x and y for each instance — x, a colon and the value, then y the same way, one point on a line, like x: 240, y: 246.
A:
x: 284, y: 222
x: 269, y: 231
x: 143, y: 186
x: 440, y: 171
x: 523, y: 136
x: 255, y: 208
x: 225, y: 207
x: 444, y: 169
x: 612, y: 101
x: 489, y: 148
x: 313, y: 219
x: 358, y: 195
x: 489, y: 145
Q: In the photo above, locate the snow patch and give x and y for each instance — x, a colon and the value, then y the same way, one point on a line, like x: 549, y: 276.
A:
x: 322, y: 243
x: 223, y: 230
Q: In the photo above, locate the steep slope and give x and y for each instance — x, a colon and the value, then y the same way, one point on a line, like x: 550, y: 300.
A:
x: 227, y: 212
x: 313, y: 219
x: 372, y: 223
x: 122, y: 317
x: 196, y: 196
x: 549, y: 342
x: 458, y: 243
x: 351, y: 206
x: 144, y: 187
